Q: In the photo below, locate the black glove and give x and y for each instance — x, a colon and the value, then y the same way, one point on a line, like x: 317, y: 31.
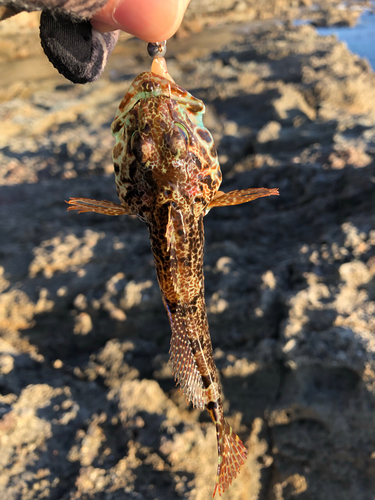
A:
x: 77, y: 51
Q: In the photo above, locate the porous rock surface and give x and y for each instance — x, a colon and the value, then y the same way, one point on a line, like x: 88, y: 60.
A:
x: 89, y: 409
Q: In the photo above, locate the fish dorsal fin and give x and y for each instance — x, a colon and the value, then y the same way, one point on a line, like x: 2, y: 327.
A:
x: 174, y: 221
x: 185, y: 369
x: 183, y: 324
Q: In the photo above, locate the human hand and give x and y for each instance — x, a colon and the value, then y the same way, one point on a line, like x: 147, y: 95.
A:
x: 80, y: 50
x: 150, y: 20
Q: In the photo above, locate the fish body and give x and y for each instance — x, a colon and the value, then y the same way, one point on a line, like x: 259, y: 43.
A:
x: 168, y: 174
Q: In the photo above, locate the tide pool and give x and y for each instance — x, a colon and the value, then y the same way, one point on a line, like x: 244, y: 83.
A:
x: 360, y: 39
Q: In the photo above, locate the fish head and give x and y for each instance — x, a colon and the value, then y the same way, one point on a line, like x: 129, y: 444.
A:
x: 163, y: 152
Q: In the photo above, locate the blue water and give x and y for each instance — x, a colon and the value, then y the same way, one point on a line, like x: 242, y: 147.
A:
x: 360, y: 39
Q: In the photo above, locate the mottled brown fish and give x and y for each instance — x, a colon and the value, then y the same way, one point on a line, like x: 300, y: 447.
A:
x: 168, y: 174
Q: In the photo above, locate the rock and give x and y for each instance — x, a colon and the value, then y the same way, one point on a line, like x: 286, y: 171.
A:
x: 270, y: 132
x: 333, y: 15
x: 89, y: 407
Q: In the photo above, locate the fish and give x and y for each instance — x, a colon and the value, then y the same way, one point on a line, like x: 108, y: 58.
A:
x: 167, y: 173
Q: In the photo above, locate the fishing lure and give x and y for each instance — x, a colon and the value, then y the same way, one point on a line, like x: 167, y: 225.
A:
x: 167, y: 173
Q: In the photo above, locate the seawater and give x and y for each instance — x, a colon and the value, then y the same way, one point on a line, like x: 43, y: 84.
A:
x: 360, y: 39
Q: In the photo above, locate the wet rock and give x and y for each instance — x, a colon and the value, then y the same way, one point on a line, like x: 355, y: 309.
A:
x: 336, y: 16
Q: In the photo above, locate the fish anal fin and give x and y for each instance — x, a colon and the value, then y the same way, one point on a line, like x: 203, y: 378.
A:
x: 185, y: 369
x: 237, y: 197
x: 232, y: 456
x: 100, y: 207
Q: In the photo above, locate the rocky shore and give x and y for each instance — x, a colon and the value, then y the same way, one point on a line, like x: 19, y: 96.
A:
x: 88, y: 406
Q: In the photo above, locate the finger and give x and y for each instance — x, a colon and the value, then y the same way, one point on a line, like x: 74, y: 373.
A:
x: 150, y: 20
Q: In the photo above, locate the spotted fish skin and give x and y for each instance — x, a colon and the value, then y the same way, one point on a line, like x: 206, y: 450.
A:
x: 163, y: 156
x: 168, y: 174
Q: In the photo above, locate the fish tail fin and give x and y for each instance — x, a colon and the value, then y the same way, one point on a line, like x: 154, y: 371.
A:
x: 231, y: 455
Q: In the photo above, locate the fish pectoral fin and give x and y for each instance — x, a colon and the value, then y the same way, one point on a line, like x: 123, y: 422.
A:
x: 232, y: 456
x: 185, y: 369
x: 236, y: 197
x: 100, y: 207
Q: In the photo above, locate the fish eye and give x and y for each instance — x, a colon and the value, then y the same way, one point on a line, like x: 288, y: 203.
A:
x: 178, y: 140
x: 183, y: 130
